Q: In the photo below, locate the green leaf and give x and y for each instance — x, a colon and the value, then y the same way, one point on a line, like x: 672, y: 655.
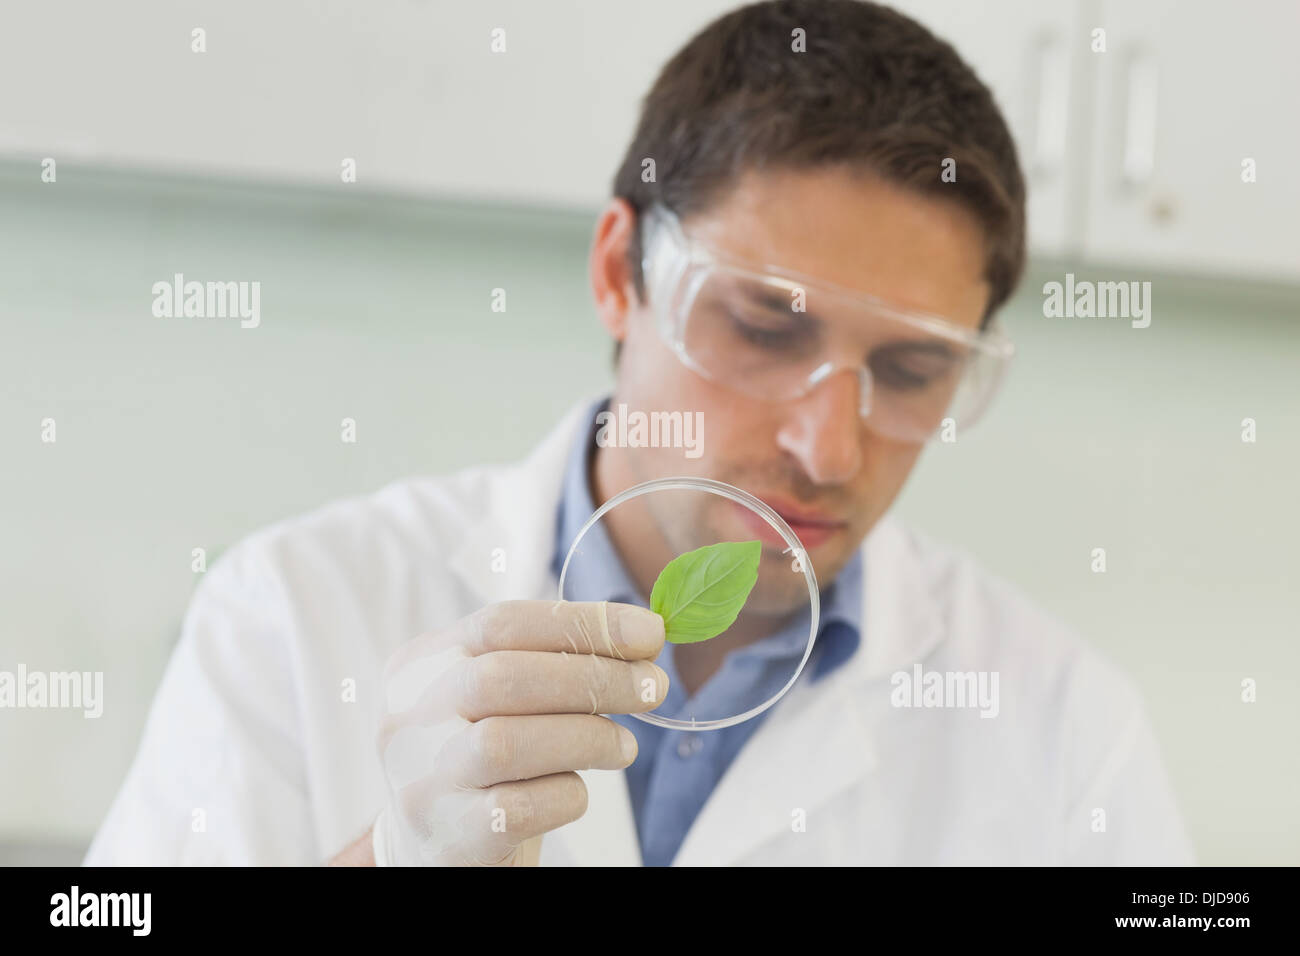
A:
x: 700, y: 593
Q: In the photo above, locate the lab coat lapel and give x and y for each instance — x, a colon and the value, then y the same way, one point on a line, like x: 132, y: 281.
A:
x: 904, y: 602
x: 813, y: 745
x: 517, y: 514
x: 817, y: 741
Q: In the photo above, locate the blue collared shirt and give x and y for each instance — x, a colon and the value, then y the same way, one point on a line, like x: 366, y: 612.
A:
x: 676, y: 770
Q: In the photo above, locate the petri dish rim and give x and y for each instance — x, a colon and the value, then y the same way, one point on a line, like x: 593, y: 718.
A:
x: 742, y: 497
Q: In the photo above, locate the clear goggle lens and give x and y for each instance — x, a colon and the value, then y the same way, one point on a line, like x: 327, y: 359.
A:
x: 773, y: 337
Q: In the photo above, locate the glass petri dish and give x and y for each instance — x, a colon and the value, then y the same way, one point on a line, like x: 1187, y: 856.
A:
x: 765, y: 649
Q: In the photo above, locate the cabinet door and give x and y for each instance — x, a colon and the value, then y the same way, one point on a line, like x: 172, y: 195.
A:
x: 548, y: 120
x: 1186, y: 93
x: 412, y: 91
x: 276, y: 91
x: 1032, y: 55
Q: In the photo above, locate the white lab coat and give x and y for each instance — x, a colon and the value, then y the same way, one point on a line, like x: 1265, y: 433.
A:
x: 255, y: 751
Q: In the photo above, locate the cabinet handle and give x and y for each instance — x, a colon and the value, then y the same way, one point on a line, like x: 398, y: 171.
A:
x: 1050, y: 89
x: 1141, y: 84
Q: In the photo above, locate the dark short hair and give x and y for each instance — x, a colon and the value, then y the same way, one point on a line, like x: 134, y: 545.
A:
x: 874, y: 89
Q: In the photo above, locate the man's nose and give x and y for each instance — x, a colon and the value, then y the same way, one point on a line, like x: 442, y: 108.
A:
x: 823, y: 429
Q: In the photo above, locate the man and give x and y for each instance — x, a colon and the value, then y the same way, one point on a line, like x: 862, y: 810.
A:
x: 806, y: 248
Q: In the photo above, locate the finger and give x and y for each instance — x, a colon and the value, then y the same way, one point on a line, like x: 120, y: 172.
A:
x: 519, y: 683
x: 509, y: 683
x: 523, y: 809
x: 484, y: 827
x: 620, y: 631
x: 500, y: 749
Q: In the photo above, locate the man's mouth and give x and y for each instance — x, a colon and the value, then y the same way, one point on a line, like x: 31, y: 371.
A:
x: 811, y: 527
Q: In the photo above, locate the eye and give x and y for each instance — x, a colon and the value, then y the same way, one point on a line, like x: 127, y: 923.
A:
x: 911, y: 371
x: 776, y: 338
x: 894, y: 375
x: 761, y: 335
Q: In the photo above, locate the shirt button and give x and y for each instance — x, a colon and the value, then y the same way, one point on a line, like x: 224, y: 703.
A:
x: 688, y: 745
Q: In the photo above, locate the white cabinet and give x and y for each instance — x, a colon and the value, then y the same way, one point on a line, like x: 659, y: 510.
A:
x: 409, y: 90
x: 548, y: 120
x: 1185, y: 94
x: 1026, y: 51
x: 1132, y: 156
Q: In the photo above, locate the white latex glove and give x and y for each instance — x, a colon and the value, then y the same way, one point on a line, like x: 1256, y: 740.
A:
x: 488, y: 720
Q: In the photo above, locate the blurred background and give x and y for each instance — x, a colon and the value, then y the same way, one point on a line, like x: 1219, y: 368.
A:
x: 478, y: 170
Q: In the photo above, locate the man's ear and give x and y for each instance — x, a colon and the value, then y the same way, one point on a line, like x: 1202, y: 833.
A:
x: 612, y: 285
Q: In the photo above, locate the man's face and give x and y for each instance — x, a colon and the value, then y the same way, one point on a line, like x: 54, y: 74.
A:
x: 813, y: 459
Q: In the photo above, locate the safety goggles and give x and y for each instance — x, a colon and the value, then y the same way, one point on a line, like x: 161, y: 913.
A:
x: 775, y: 335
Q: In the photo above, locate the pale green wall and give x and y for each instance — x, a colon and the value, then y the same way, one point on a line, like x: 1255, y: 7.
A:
x: 181, y: 433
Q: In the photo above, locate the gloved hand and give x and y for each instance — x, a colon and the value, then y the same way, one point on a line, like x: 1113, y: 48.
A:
x: 488, y: 719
